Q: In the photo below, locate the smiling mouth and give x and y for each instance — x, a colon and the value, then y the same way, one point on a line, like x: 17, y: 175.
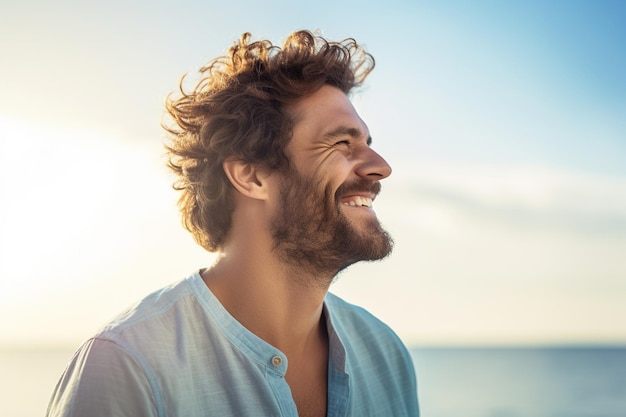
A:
x: 358, y: 193
x: 358, y: 201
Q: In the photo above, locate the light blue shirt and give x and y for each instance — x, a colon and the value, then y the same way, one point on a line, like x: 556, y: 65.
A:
x: 179, y: 353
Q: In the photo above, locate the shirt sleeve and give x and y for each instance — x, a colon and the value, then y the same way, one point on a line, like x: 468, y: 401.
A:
x: 411, y: 386
x: 102, y: 380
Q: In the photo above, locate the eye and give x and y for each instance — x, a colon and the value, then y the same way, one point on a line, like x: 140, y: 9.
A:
x: 342, y: 142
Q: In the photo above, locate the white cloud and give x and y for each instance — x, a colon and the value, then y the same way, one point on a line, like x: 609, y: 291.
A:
x: 499, y: 254
x: 525, y: 195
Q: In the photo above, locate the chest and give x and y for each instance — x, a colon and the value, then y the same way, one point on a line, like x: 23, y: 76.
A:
x: 310, y: 394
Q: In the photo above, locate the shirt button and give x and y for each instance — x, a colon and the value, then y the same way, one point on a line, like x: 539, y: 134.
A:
x: 277, y: 361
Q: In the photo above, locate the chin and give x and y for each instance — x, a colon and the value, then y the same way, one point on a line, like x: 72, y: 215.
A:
x: 370, y: 243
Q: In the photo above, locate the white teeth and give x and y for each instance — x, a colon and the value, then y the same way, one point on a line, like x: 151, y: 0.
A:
x: 360, y: 201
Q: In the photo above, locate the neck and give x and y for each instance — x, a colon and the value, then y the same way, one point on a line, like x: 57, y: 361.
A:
x: 265, y: 297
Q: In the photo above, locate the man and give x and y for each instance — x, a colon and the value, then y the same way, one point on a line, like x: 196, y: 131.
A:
x: 277, y: 176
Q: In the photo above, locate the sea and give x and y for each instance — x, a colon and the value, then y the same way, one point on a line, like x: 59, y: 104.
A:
x: 452, y: 381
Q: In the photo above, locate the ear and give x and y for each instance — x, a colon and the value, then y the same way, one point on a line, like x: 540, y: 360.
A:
x: 248, y: 179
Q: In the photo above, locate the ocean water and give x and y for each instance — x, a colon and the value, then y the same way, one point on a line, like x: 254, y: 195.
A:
x: 27, y: 378
x: 452, y: 382
x: 521, y: 382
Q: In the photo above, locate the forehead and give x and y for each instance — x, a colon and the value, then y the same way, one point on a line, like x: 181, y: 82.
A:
x: 326, y: 115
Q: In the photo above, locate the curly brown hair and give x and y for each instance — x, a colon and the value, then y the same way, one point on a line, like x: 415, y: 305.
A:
x: 237, y: 110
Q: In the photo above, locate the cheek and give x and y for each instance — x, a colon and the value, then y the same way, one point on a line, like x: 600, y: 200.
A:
x: 327, y: 185
x: 324, y: 163
x: 324, y: 175
x: 334, y: 171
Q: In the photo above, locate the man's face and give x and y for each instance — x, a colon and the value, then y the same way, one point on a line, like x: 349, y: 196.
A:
x: 324, y: 221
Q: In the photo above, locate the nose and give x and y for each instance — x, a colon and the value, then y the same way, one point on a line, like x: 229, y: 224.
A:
x: 372, y: 165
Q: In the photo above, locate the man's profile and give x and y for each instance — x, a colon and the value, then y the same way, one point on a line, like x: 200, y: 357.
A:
x: 276, y: 176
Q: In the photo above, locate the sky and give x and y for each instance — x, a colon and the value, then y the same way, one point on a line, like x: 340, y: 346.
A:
x: 504, y: 122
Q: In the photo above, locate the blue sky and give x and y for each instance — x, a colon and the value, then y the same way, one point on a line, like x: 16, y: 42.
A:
x: 504, y: 122
x: 527, y: 81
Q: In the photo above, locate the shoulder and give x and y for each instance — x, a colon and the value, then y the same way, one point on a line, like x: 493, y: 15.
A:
x: 125, y: 358
x: 357, y: 327
x: 98, y: 371
x: 161, y: 315
x: 379, y: 363
x: 344, y: 314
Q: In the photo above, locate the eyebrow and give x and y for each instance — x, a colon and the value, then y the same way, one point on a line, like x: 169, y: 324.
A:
x: 346, y: 131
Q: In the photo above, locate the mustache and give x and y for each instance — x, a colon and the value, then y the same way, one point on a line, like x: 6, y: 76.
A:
x: 358, y: 186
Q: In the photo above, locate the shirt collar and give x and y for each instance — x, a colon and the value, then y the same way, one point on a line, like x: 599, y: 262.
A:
x: 243, y: 339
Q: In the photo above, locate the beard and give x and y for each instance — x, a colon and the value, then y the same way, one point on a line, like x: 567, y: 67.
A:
x: 312, y: 234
